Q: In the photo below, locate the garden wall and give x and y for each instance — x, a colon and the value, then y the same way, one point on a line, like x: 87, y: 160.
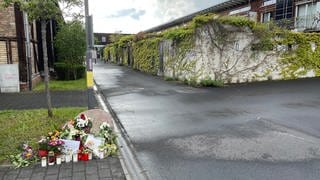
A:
x: 221, y: 50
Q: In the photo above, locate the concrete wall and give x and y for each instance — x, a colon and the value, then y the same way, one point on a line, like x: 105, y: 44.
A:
x: 222, y: 53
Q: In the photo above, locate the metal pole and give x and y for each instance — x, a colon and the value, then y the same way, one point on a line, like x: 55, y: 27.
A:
x: 28, y: 50
x: 89, y: 67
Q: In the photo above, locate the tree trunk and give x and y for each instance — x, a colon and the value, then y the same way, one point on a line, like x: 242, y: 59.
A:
x: 46, y: 68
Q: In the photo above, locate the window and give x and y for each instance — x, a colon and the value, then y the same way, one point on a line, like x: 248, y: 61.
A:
x: 305, y: 15
x: 103, y: 39
x: 266, y: 17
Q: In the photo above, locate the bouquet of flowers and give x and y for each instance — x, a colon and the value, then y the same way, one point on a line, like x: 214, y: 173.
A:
x: 83, y: 123
x: 55, y: 145
x: 25, y: 158
x: 107, y: 133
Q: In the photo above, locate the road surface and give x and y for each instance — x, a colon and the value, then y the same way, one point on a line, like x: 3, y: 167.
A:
x: 267, y: 130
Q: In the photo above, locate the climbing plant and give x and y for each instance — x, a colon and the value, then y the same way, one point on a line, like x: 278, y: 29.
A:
x: 302, y: 56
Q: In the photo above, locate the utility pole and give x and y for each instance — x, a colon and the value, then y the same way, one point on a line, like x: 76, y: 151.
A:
x: 89, y: 64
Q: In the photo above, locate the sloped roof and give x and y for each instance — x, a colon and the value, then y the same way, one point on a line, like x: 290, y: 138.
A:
x: 213, y: 9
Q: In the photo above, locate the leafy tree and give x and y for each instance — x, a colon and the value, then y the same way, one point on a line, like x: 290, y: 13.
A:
x: 43, y: 10
x: 71, y: 45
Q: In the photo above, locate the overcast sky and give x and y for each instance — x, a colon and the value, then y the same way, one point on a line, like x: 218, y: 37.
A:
x: 132, y: 16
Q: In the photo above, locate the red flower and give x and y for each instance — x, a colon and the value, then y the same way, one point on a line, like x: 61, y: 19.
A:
x: 82, y: 116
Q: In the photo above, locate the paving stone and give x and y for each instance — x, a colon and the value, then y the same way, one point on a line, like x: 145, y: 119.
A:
x: 14, y: 172
x: 117, y: 173
x: 23, y: 179
x: 105, y: 178
x: 91, y: 163
x: 105, y: 173
x: 52, y: 170
x: 78, y: 167
x: 51, y: 177
x: 10, y: 177
x: 65, y: 178
x: 38, y: 175
x: 92, y: 177
x: 65, y: 173
x: 25, y: 173
x: 78, y: 174
x: 103, y: 166
x: 66, y: 166
x: 40, y: 169
x: 92, y: 170
x: 114, y: 162
x: 119, y: 178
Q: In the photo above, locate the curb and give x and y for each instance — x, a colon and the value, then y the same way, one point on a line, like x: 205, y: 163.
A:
x: 128, y: 158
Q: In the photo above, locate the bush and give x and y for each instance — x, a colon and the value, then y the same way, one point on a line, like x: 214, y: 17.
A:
x: 69, y: 72
x: 211, y: 83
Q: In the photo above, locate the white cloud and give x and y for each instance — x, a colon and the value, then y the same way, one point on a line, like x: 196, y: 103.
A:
x: 132, y: 16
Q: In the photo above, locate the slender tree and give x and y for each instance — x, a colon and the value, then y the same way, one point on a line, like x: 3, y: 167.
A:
x: 43, y: 10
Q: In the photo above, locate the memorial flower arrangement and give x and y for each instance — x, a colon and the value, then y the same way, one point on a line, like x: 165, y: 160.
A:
x: 72, y: 139
x: 25, y: 158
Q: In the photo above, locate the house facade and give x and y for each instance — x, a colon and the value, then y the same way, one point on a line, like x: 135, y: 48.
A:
x: 298, y: 15
x: 16, y: 49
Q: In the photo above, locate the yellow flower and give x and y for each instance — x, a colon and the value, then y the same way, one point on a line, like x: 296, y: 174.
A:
x: 50, y: 133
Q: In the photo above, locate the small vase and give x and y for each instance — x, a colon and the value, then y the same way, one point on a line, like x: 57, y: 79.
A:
x: 42, y: 153
x: 85, y: 157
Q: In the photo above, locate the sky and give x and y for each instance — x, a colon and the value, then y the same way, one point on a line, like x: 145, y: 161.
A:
x: 133, y: 16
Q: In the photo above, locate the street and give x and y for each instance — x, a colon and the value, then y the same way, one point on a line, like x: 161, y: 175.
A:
x: 265, y: 130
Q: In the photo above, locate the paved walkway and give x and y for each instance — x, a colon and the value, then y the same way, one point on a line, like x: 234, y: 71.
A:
x: 109, y: 168
x: 36, y: 100
x: 106, y: 169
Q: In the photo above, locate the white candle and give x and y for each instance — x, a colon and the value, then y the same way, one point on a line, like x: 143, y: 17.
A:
x: 63, y: 158
x: 43, y: 162
x: 90, y: 156
x: 68, y: 158
x: 101, y: 154
x: 75, y: 157
x: 58, y: 160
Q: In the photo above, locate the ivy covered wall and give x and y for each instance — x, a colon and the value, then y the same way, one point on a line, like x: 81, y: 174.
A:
x: 212, y: 50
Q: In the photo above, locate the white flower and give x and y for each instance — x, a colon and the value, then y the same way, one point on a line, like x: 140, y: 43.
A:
x: 104, y: 125
x: 82, y: 123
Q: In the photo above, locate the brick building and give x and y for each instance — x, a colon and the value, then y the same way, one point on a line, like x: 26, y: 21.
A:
x: 13, y: 49
x: 298, y: 15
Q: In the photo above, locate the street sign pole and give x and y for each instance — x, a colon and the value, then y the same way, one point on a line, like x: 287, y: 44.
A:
x: 89, y: 64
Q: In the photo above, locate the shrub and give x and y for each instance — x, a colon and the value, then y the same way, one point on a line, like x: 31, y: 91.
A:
x: 69, y: 72
x: 209, y: 83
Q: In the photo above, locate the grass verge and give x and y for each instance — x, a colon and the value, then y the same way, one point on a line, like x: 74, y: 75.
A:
x: 56, y: 85
x: 27, y: 126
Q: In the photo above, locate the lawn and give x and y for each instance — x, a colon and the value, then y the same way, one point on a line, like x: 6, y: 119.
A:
x: 20, y: 126
x: 56, y: 85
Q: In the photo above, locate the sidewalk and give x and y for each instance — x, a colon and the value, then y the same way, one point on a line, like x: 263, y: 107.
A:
x: 36, y: 100
x: 109, y: 168
x: 104, y: 169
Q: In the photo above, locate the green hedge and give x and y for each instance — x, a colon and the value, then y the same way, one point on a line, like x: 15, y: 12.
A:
x: 69, y: 72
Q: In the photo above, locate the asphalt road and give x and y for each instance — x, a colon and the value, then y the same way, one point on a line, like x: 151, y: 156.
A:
x: 257, y: 131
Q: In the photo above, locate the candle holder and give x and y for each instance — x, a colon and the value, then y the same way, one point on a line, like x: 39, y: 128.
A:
x: 51, y: 158
x: 58, y: 160
x: 75, y: 157
x: 43, y: 162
